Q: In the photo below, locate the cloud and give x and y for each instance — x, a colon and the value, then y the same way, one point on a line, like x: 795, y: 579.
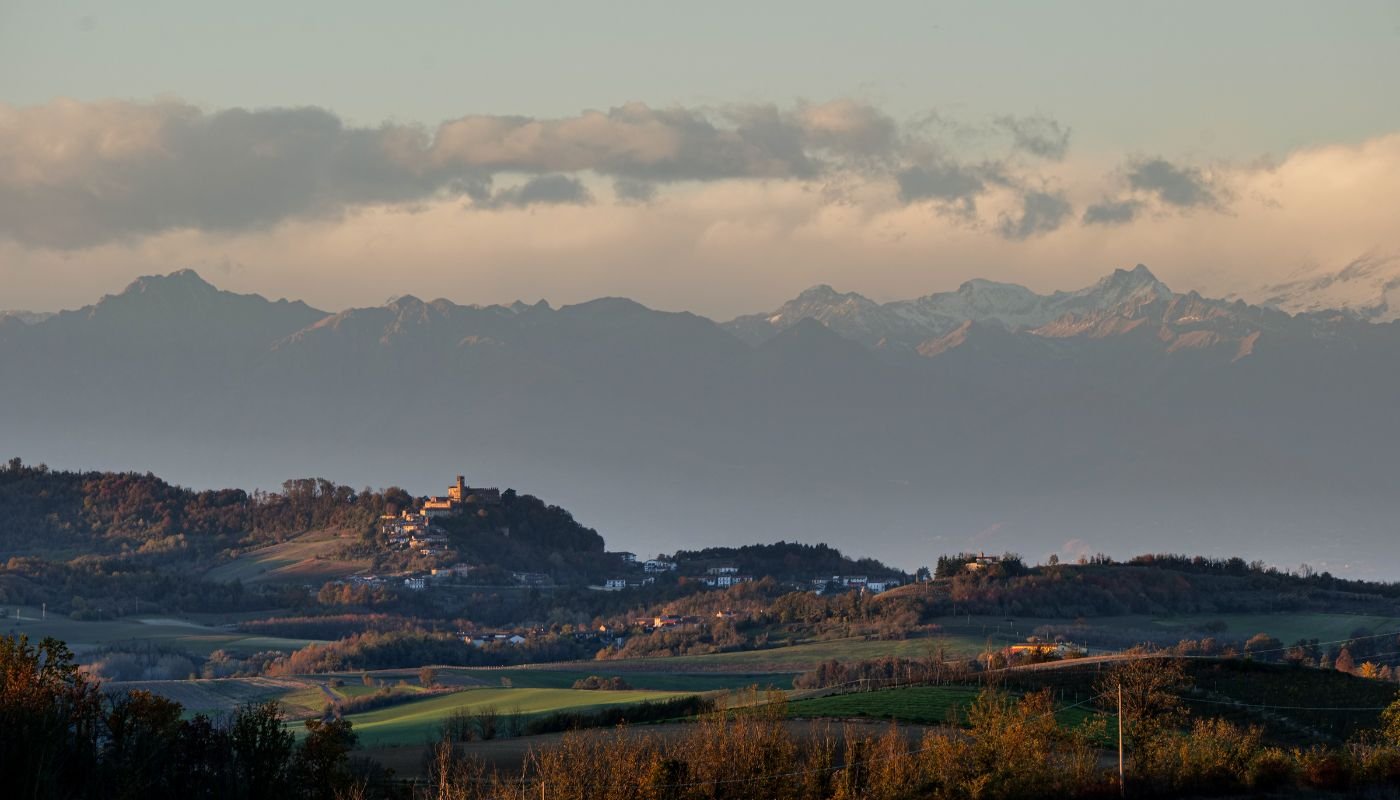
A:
x: 848, y: 126
x: 1111, y: 212
x: 1182, y: 187
x: 631, y: 191
x: 76, y: 175
x: 1037, y: 135
x: 945, y: 181
x: 541, y: 190
x: 1041, y: 212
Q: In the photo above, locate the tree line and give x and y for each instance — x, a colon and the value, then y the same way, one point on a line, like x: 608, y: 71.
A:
x: 62, y: 737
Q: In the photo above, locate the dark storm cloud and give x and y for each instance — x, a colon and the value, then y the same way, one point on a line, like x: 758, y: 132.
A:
x: 948, y: 182
x: 1041, y: 212
x: 1111, y: 212
x: 1183, y: 187
x: 541, y: 190
x: 1037, y: 135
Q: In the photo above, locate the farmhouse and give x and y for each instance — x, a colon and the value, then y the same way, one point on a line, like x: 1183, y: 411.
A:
x: 982, y: 561
x: 726, y: 580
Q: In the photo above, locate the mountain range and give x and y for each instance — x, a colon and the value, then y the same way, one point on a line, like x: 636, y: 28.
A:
x: 1123, y: 417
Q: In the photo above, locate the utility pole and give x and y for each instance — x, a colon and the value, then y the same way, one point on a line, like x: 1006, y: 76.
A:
x: 1122, y: 789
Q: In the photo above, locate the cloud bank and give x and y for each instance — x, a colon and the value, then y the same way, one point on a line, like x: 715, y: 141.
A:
x: 720, y: 210
x: 74, y: 175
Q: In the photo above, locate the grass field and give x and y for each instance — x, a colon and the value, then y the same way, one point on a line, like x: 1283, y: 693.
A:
x: 309, y: 558
x: 219, y: 695
x: 1287, y: 627
x: 925, y: 705
x: 655, y: 681
x: 177, y: 634
x: 799, y: 657
x: 418, y: 721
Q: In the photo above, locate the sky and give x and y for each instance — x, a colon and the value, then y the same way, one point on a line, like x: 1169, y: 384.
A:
x: 718, y: 158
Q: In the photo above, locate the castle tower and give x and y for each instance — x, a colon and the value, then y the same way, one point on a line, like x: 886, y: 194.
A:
x: 458, y: 491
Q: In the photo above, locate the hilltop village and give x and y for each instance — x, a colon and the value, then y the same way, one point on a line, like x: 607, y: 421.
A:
x: 427, y: 535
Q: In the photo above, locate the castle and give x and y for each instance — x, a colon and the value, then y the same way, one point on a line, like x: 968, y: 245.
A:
x: 460, y: 495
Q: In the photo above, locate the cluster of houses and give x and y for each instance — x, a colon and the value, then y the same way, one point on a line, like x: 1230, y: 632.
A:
x: 483, y: 639
x: 668, y: 621
x: 724, y: 577
x: 414, y: 531
x: 857, y: 582
x: 415, y: 581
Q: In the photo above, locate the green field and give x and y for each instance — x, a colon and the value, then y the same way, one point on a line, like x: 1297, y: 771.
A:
x: 1287, y: 627
x: 418, y: 721
x: 221, y: 695
x: 309, y: 558
x: 925, y: 705
x: 177, y: 634
x: 966, y: 637
x: 655, y: 681
x: 799, y: 657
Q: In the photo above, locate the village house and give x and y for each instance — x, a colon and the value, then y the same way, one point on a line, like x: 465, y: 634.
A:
x: 483, y: 639
x: 656, y: 565
x: 982, y: 561
x: 415, y: 582
x: 454, y: 571
x: 1030, y: 650
x: 532, y: 578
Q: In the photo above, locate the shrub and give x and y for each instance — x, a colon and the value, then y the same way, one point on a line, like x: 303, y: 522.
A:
x: 1324, y: 769
x: 1271, y: 769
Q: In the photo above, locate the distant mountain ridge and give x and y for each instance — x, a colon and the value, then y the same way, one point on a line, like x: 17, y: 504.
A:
x: 988, y: 418
x: 1367, y: 287
x: 1118, y: 304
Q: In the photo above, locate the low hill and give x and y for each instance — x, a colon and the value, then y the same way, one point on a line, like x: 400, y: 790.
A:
x: 310, y: 558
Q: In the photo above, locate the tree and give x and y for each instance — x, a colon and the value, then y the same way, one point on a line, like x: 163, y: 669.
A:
x: 262, y: 750
x: 1264, y: 646
x: 1390, y: 722
x: 427, y: 677
x: 323, y: 759
x: 1149, y: 685
x: 49, y: 719
x: 141, y: 731
x: 1344, y: 662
